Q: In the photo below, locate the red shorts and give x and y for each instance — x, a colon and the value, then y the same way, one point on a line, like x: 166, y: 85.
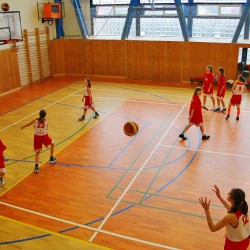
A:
x: 40, y: 140
x: 2, y: 165
x: 236, y: 100
x: 87, y: 103
x: 231, y: 245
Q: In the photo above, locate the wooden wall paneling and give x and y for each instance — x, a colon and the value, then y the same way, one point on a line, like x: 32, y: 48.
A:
x: 116, y: 56
x: 57, y: 57
x: 9, y: 72
x: 73, y: 57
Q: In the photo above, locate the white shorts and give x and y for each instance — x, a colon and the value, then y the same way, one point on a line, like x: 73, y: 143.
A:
x: 2, y: 170
x: 211, y: 95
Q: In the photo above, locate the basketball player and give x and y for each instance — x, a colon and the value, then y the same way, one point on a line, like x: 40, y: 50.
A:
x: 236, y: 220
x: 208, y: 87
x: 195, y: 115
x: 88, y: 100
x: 238, y: 89
x: 221, y: 90
x: 41, y: 137
x: 2, y: 165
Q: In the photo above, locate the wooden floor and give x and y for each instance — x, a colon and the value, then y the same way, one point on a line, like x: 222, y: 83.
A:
x: 108, y: 190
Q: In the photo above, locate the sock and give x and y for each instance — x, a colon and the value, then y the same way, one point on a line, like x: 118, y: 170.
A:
x: 238, y: 112
x: 228, y: 110
x: 36, y: 165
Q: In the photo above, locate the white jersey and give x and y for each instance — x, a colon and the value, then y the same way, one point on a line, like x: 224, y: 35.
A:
x: 85, y: 92
x: 239, y: 88
x: 241, y: 232
x: 41, y: 128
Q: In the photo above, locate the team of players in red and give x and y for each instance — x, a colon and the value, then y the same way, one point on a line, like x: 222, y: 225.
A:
x: 237, y: 220
x: 195, y: 111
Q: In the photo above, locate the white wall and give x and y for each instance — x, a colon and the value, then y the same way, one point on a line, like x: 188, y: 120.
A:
x: 30, y: 21
x: 70, y: 24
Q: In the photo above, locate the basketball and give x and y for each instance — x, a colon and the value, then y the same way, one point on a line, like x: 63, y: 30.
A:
x: 5, y: 7
x: 130, y: 128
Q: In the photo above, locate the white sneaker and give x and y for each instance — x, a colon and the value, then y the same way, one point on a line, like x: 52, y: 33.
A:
x: 213, y: 109
x: 2, y: 182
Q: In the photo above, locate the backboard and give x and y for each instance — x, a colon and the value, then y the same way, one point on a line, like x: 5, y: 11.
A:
x: 10, y: 26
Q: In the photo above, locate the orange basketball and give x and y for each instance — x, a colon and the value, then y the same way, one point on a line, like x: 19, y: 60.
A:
x: 130, y: 128
x: 5, y: 7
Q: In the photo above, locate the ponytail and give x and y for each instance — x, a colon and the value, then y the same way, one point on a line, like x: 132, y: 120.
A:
x: 42, y: 115
x: 238, y: 196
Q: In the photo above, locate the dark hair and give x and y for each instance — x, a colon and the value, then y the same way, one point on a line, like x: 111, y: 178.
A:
x: 88, y: 81
x: 42, y: 115
x: 197, y: 89
x: 211, y: 68
x: 238, y: 196
x: 221, y: 70
x: 242, y: 79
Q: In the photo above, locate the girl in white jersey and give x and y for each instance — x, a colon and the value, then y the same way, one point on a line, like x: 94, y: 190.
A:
x: 41, y: 137
x: 88, y: 104
x: 238, y: 89
x: 236, y: 221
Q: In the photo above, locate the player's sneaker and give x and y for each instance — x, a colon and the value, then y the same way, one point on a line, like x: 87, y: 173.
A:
x: 205, y: 108
x: 96, y: 115
x: 217, y: 109
x: 237, y: 118
x: 205, y: 137
x: 183, y: 137
x: 82, y: 118
x: 227, y: 117
x: 223, y: 110
x: 213, y: 109
x: 36, y: 169
x: 52, y: 159
x: 2, y: 182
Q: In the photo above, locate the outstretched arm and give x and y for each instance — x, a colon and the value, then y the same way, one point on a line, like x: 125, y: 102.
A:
x: 226, y: 204
x: 220, y: 224
x: 28, y: 124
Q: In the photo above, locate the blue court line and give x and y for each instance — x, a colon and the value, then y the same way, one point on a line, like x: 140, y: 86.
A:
x: 120, y: 211
x: 126, y: 146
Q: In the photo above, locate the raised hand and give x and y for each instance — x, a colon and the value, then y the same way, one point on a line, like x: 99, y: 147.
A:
x: 205, y: 203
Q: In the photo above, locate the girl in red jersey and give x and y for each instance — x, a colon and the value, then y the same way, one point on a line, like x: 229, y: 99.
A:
x: 238, y: 89
x: 41, y: 137
x: 2, y: 165
x: 236, y: 221
x: 208, y: 87
x: 195, y: 115
x: 221, y: 90
x: 87, y: 95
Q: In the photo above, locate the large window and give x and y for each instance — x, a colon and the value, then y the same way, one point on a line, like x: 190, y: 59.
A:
x: 209, y: 18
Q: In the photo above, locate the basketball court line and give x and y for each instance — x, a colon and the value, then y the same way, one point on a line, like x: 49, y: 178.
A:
x: 53, y: 103
x: 205, y: 151
x: 88, y: 227
x: 48, y: 233
x: 136, y: 175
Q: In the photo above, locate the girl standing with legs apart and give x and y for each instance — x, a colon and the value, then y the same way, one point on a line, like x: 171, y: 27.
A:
x: 221, y: 90
x: 88, y: 100
x: 238, y: 89
x: 41, y: 137
x: 236, y: 221
x: 208, y: 87
x: 195, y: 115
